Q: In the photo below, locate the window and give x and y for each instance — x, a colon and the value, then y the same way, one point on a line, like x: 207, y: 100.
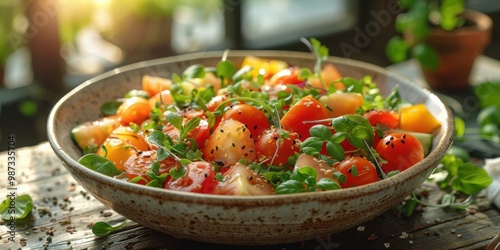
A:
x: 267, y: 23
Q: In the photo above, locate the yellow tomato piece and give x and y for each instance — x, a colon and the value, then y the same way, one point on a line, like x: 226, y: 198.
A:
x: 417, y: 118
x: 341, y: 103
x: 121, y: 144
x: 264, y: 67
x: 128, y: 136
x: 116, y: 151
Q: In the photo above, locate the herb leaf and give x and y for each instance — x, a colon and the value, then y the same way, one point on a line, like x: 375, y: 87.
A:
x: 357, y: 127
x: 471, y: 179
x: 194, y: 71
x: 110, y: 108
x: 23, y: 206
x: 290, y: 187
x: 174, y: 119
x: 99, y: 164
x: 102, y: 228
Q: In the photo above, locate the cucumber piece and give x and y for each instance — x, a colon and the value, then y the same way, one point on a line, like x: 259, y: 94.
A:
x: 425, y: 139
x: 90, y: 135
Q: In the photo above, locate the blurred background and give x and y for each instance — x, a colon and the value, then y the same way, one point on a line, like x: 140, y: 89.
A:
x: 48, y: 47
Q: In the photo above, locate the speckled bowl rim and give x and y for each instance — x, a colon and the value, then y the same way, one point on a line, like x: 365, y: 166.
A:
x: 430, y: 161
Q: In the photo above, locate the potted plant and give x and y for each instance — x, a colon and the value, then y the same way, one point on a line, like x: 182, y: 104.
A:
x: 9, y: 39
x: 444, y: 37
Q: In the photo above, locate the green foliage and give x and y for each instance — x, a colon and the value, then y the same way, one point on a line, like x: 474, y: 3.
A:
x: 460, y: 177
x: 414, y: 24
x: 488, y: 95
x: 11, y: 38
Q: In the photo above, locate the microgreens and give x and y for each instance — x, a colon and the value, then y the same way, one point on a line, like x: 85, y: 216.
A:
x: 182, y: 151
x: 459, y: 178
x: 225, y: 69
x: 257, y: 102
x: 320, y: 53
x: 357, y: 128
x: 321, y: 134
x: 304, y: 180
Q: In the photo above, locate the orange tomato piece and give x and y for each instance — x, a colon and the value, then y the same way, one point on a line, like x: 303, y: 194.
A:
x: 154, y: 84
x: 164, y: 97
x: 134, y: 110
x: 417, y: 118
x: 330, y: 74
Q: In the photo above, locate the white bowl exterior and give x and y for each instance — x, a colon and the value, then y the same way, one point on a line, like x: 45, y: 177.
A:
x: 240, y: 220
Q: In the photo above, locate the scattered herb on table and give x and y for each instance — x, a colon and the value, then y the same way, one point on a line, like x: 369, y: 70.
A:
x: 460, y: 178
x: 17, y: 208
x: 460, y: 175
x: 102, y: 228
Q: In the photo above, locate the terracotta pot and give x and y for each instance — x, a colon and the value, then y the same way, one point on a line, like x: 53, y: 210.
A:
x: 457, y: 51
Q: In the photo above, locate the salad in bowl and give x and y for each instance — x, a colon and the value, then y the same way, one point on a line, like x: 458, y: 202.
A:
x: 250, y: 147
x: 263, y: 127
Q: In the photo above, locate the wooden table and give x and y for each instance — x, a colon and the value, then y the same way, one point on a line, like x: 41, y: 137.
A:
x: 64, y: 212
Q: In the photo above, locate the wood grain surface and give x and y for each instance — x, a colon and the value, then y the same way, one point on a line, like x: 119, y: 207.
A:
x: 64, y: 213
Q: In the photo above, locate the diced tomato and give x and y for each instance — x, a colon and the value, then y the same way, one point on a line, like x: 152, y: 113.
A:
x: 201, y: 133
x: 341, y: 103
x: 199, y: 178
x: 134, y: 110
x: 253, y: 118
x: 304, y: 114
x: 272, y: 148
x: 330, y: 75
x: 323, y: 170
x: 418, y: 118
x: 358, y: 171
x: 121, y: 144
x: 215, y: 102
x: 132, y: 138
x: 264, y: 67
x: 140, y: 163
x: 400, y: 150
x: 154, y: 84
x: 163, y: 97
x: 287, y: 76
x: 116, y: 151
x: 387, y: 118
x: 230, y: 142
x: 241, y: 180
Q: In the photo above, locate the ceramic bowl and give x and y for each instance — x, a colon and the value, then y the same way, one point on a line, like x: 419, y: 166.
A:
x: 268, y: 219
